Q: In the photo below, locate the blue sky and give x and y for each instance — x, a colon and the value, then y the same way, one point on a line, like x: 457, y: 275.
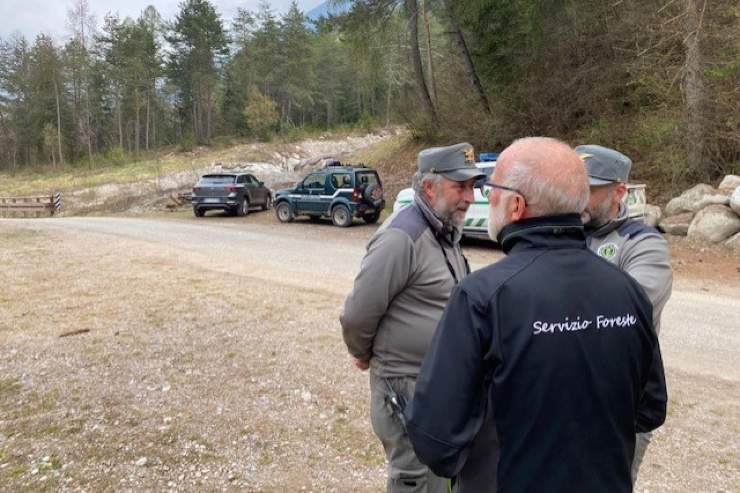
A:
x: 31, y: 17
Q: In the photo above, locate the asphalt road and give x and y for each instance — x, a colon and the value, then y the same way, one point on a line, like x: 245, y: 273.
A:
x: 701, y: 326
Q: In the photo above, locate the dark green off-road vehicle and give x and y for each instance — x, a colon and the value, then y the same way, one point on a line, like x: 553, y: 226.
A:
x: 340, y: 192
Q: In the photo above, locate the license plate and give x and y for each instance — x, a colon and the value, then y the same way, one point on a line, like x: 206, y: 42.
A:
x: 211, y: 201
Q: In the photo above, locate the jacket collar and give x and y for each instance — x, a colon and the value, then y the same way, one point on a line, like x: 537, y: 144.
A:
x: 558, y: 231
x: 610, y: 225
x: 450, y: 234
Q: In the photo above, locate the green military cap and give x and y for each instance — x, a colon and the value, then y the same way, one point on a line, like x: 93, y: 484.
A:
x: 604, y: 165
x: 455, y: 162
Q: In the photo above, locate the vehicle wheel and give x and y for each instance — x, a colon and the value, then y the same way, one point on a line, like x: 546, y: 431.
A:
x: 371, y: 218
x: 199, y: 212
x: 243, y: 208
x: 267, y: 204
x: 340, y: 216
x: 284, y: 212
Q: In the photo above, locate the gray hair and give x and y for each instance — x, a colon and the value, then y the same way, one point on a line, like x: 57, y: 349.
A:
x: 548, y: 194
x: 419, y: 178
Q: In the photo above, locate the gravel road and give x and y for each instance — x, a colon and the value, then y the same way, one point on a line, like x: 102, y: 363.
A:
x: 701, y: 330
x: 159, y: 280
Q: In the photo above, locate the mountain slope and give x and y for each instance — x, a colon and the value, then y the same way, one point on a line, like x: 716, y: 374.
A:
x: 325, y: 9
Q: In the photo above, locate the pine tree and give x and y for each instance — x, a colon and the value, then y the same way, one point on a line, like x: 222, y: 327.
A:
x: 198, y: 41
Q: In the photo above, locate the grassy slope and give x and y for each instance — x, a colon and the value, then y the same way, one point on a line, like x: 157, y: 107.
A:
x: 394, y: 157
x: 43, y: 181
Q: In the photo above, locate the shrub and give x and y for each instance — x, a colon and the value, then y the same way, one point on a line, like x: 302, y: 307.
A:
x: 187, y: 144
x: 261, y: 114
x: 116, y: 155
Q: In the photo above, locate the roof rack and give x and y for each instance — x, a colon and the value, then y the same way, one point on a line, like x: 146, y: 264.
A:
x: 334, y: 163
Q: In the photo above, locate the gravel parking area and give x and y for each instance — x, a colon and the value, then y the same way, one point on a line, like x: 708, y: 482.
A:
x: 178, y: 354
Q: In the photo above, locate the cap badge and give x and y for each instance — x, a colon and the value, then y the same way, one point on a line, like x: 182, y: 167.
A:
x: 469, y: 155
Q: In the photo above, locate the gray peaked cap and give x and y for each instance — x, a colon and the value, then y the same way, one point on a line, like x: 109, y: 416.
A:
x: 604, y: 165
x: 455, y: 162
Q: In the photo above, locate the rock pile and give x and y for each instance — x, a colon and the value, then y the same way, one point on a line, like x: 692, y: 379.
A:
x: 706, y: 214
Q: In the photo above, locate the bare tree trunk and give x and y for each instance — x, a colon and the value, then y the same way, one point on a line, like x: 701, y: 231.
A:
x: 76, y: 112
x: 462, y: 46
x: 89, y: 132
x: 59, y: 124
x: 154, y: 129
x: 147, y: 121
x: 430, y: 58
x: 128, y: 136
x: 196, y: 99
x: 694, y: 88
x: 388, y: 106
x: 426, y: 100
x: 120, y: 122
x: 209, y: 113
x: 137, y: 122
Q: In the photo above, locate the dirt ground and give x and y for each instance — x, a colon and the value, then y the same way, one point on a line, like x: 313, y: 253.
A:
x: 212, y: 360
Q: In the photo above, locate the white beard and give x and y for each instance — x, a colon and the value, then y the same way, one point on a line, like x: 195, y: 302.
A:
x: 496, y: 221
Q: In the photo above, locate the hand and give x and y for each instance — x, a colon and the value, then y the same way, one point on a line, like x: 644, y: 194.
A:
x: 362, y: 364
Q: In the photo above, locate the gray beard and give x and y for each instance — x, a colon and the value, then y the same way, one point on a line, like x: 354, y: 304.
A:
x: 596, y: 217
x: 496, y: 222
x: 447, y: 215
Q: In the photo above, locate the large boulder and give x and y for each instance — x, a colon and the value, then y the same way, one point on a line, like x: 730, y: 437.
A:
x: 734, y: 243
x: 714, y: 223
x: 653, y: 215
x: 717, y: 199
x: 729, y: 184
x: 677, y: 225
x: 735, y: 200
x: 683, y: 202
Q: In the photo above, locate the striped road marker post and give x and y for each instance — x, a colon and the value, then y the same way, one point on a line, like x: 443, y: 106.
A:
x: 57, y: 201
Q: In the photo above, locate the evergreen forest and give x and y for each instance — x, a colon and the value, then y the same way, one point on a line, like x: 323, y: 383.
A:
x: 657, y: 79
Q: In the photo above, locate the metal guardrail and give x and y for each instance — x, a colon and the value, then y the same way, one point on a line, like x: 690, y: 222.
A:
x: 36, y: 206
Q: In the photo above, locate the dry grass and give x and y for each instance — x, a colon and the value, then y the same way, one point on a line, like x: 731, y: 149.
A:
x: 218, y: 386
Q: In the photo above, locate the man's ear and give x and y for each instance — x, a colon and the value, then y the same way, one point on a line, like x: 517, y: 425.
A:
x: 429, y: 189
x: 620, y: 191
x: 517, y: 206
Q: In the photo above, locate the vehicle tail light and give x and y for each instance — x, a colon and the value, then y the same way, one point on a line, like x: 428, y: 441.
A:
x: 231, y: 188
x: 356, y: 195
x: 196, y: 189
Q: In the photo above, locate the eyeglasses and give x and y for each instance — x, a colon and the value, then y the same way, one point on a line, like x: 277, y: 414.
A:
x: 487, y: 187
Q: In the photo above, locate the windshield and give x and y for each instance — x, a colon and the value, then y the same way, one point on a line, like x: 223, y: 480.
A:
x: 217, y: 179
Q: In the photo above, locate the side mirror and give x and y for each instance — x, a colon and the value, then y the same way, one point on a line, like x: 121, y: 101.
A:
x: 261, y: 183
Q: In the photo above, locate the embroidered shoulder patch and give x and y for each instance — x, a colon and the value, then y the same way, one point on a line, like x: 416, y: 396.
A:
x: 607, y: 250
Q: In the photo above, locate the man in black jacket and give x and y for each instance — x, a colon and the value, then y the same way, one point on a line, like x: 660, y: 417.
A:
x: 545, y: 364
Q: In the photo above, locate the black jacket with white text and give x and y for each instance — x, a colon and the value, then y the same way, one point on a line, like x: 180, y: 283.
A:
x: 552, y: 348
